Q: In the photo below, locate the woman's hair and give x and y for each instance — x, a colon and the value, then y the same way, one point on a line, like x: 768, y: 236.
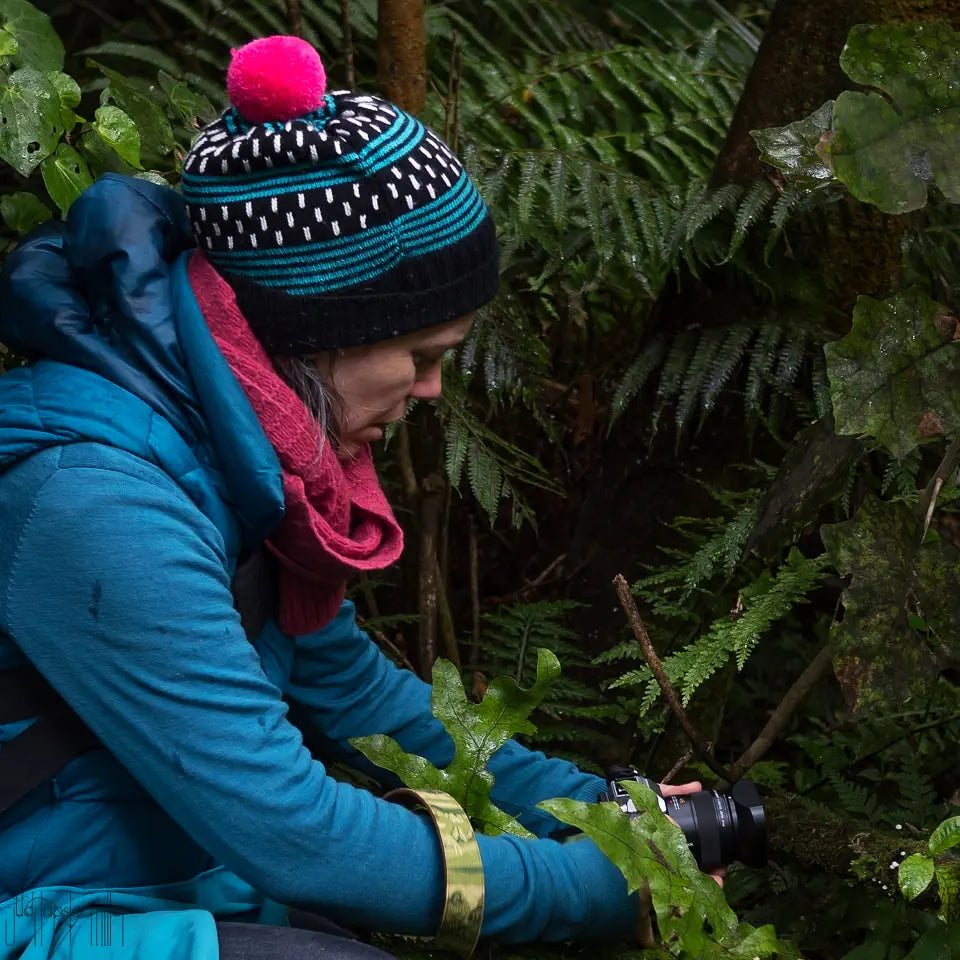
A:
x: 322, y: 402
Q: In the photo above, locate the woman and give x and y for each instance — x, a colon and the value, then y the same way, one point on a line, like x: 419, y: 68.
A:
x: 196, y: 405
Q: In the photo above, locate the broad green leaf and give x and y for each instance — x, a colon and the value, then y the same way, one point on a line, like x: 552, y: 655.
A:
x: 118, y: 131
x: 68, y: 91
x: 933, y: 945
x: 8, y: 43
x: 156, y: 135
x: 880, y: 659
x: 797, y: 149
x: 896, y: 375
x: 478, y: 730
x: 101, y: 158
x: 888, y: 149
x: 21, y: 212
x: 946, y: 836
x: 914, y: 875
x: 948, y: 889
x: 30, y: 120
x: 66, y: 176
x: 691, y: 910
x: 38, y: 44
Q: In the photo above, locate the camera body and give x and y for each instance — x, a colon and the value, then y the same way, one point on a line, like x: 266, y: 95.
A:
x: 720, y: 827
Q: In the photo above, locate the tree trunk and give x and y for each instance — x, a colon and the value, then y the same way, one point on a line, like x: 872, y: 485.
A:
x: 402, y: 52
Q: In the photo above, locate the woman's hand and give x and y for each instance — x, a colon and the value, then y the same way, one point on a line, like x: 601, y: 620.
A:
x: 644, y: 930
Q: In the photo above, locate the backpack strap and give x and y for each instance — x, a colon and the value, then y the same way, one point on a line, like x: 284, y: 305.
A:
x: 59, y: 735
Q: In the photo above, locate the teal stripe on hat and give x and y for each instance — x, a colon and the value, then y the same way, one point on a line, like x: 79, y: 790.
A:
x: 413, y: 240
x: 319, y: 283
x: 198, y: 190
x: 461, y: 194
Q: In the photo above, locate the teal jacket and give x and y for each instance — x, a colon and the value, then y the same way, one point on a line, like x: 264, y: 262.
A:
x: 133, y: 473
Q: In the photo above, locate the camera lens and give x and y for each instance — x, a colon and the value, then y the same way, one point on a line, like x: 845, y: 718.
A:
x: 720, y: 827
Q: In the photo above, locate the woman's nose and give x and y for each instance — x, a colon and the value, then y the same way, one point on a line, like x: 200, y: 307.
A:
x: 428, y: 384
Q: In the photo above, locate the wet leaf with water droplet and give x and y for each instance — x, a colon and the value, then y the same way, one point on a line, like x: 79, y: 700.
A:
x: 30, y: 120
x: 889, y: 150
x: 118, y: 131
x: 896, y: 375
x: 38, y: 44
x: 796, y: 148
x: 66, y: 176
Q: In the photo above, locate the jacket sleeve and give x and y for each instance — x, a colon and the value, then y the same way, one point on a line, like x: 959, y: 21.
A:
x: 346, y: 687
x: 118, y: 593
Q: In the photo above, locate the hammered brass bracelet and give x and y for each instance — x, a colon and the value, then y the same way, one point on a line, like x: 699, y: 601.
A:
x: 463, y: 899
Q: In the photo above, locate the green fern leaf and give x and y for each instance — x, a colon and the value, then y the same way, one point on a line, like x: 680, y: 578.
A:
x: 727, y: 358
x: 754, y: 204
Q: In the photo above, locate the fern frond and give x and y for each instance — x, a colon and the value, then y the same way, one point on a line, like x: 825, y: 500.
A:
x: 754, y: 204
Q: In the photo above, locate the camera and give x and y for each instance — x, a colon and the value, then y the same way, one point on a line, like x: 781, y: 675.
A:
x: 720, y: 827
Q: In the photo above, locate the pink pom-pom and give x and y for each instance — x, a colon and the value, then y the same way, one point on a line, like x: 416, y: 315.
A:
x: 276, y: 79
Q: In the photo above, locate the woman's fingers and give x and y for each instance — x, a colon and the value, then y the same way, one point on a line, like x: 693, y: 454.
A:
x: 679, y: 789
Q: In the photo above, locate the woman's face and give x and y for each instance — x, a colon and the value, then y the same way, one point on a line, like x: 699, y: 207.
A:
x: 375, y: 382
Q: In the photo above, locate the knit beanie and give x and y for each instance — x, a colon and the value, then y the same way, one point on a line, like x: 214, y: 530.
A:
x: 337, y: 218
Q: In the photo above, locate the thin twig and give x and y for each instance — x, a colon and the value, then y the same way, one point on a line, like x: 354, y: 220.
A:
x: 456, y: 106
x: 677, y: 767
x: 385, y: 641
x: 448, y: 100
x: 928, y: 499
x: 670, y: 695
x: 347, y: 32
x: 474, y: 592
x: 367, y: 588
x: 410, y: 486
x: 781, y: 716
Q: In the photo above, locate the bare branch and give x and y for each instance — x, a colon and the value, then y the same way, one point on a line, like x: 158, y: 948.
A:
x: 781, y: 716
x: 670, y: 695
x: 928, y: 500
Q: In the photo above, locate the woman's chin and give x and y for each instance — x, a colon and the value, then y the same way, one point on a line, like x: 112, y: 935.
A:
x: 351, y: 444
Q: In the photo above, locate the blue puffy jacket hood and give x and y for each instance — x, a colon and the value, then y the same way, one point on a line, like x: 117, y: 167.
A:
x: 102, y: 303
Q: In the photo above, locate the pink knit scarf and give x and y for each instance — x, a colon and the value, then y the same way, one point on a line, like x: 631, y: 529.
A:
x: 337, y: 520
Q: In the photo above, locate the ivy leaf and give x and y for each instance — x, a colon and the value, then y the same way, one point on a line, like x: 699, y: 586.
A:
x: 888, y: 149
x: 478, y: 730
x: 797, y: 149
x: 946, y: 836
x: 68, y: 91
x: 896, y: 375
x: 156, y: 135
x: 118, y: 131
x: 30, y: 120
x: 691, y: 910
x: 21, y: 212
x: 38, y: 44
x: 914, y: 875
x: 66, y: 176
x: 880, y: 659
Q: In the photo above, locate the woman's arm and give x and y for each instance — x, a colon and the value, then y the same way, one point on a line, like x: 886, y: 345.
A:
x: 348, y: 688
x: 117, y: 592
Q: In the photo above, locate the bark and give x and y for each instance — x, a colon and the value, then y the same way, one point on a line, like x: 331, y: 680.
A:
x: 402, y: 52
